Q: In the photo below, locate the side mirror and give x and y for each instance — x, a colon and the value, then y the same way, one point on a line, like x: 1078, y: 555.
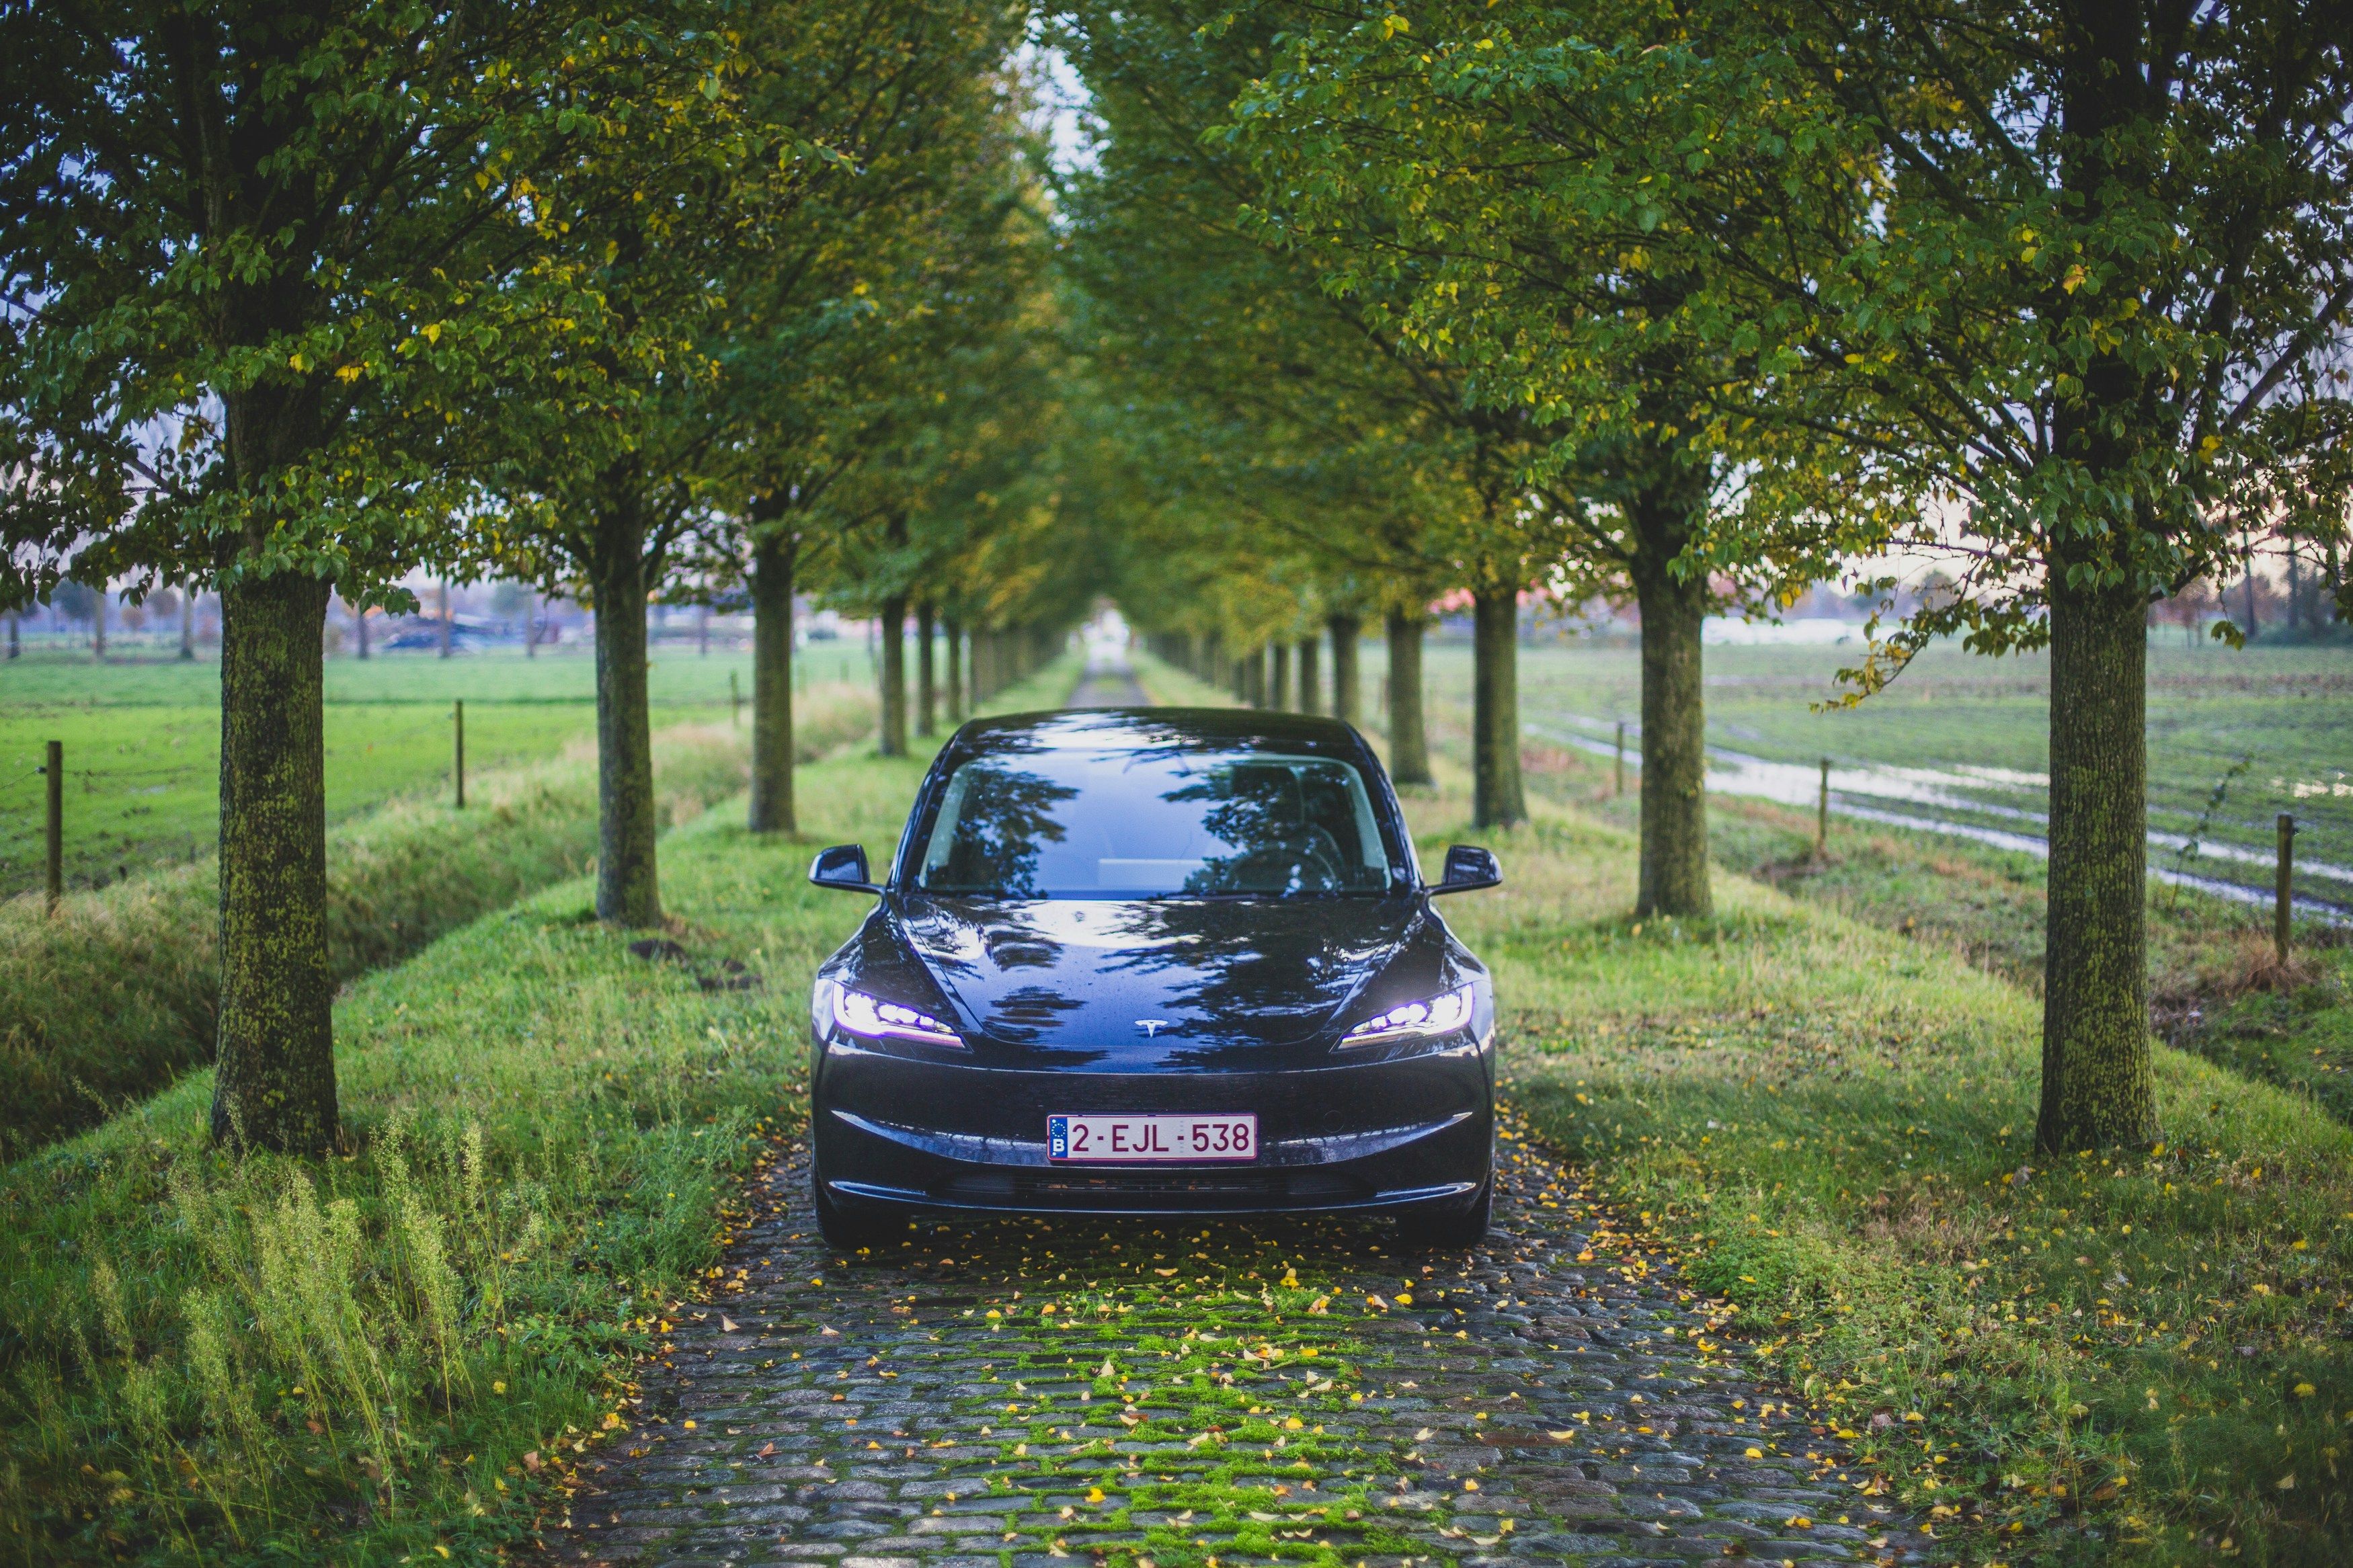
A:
x: 843, y: 867
x: 1469, y: 867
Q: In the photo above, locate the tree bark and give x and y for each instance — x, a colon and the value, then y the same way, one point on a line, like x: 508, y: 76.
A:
x: 445, y: 618
x: 773, y: 559
x: 1409, y: 741
x: 274, y: 1087
x: 1311, y: 679
x: 188, y: 625
x: 98, y: 627
x: 1348, y: 697
x: 894, y: 630
x: 1674, y: 876
x: 953, y: 628
x: 1278, y: 686
x: 2098, y: 1086
x: 1496, y: 797
x: 927, y: 693
x: 628, y: 890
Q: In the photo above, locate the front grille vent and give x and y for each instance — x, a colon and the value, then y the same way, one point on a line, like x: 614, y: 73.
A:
x: 1095, y: 1189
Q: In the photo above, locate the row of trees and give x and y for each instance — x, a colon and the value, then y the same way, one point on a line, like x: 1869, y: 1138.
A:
x: 1694, y: 306
x: 618, y: 299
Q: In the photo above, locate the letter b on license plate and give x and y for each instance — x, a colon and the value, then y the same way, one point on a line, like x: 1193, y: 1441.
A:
x: 1120, y: 1140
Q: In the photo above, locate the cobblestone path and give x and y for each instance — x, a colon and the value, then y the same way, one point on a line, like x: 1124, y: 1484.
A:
x: 1146, y: 1392
x: 1109, y: 682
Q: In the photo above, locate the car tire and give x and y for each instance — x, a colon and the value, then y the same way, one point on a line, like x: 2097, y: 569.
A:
x: 1450, y: 1230
x: 846, y: 1230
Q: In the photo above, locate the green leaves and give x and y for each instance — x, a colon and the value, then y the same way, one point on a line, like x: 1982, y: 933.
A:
x: 268, y: 359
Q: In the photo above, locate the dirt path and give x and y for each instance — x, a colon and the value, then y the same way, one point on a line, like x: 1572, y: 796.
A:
x: 1016, y: 1394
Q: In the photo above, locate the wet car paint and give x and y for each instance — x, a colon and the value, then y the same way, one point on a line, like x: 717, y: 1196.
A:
x: 1197, y: 1005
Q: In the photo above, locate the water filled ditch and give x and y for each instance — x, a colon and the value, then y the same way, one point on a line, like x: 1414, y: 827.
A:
x: 1996, y: 806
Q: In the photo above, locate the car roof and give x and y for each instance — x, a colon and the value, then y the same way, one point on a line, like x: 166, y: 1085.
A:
x: 1125, y: 729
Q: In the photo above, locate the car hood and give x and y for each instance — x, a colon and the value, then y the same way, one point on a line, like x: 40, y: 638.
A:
x: 1174, y: 981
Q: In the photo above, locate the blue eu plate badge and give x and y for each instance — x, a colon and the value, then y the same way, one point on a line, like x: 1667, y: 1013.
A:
x: 1057, y: 1137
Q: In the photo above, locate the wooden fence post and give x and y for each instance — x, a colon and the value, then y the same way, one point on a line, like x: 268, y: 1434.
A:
x: 1822, y: 814
x: 2284, y: 889
x: 55, y: 770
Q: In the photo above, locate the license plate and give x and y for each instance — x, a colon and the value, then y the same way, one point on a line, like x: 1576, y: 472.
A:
x: 1120, y: 1139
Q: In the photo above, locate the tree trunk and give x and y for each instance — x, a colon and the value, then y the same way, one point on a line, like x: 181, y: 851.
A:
x: 274, y: 1087
x: 773, y: 557
x: 2097, y: 1084
x: 1409, y: 741
x: 893, y: 631
x: 927, y: 693
x: 445, y: 618
x: 531, y: 617
x: 188, y: 625
x: 1673, y: 877
x: 628, y: 891
x: 1311, y: 679
x: 1496, y: 798
x: 954, y: 630
x: 98, y: 627
x: 1347, y: 697
x: 1278, y: 686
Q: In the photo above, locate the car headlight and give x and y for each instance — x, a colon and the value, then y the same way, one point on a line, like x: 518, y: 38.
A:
x: 1415, y: 1021
x: 876, y: 1019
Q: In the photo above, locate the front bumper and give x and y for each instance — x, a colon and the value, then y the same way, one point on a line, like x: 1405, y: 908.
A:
x: 1382, y: 1136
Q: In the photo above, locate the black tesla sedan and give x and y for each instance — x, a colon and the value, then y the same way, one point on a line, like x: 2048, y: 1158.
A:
x: 1153, y: 960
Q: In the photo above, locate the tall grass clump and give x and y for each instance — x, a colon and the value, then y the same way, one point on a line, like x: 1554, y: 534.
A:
x: 118, y: 993
x: 397, y: 1347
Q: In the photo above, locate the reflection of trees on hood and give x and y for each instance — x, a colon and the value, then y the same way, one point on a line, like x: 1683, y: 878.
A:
x: 1002, y: 815
x: 1246, y: 965
x: 1025, y: 1016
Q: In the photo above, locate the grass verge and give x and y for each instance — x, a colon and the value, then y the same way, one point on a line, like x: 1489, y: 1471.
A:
x: 119, y: 994
x: 2216, y: 986
x: 392, y: 1353
x: 1169, y: 687
x: 2140, y: 1357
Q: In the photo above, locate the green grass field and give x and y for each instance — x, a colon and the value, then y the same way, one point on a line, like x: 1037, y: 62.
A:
x: 142, y: 739
x: 1968, y: 724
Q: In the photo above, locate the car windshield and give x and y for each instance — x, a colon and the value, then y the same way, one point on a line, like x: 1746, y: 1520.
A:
x: 1164, y: 824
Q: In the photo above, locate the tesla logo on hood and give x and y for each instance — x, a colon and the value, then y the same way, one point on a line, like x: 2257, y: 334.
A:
x: 1151, y: 1027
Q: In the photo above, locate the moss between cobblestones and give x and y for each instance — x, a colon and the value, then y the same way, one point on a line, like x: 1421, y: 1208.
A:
x: 1151, y: 1393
